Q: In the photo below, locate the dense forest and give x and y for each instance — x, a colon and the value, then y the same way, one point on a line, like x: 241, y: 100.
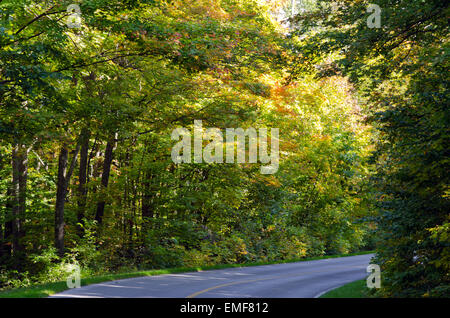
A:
x: 91, y: 92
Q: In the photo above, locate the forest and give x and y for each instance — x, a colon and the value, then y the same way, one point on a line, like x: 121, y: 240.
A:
x: 91, y: 92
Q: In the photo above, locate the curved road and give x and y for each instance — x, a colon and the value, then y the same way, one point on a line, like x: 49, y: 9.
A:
x: 292, y: 280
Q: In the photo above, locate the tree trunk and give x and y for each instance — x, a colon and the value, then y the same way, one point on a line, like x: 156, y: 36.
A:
x: 19, y: 194
x: 82, y: 179
x: 61, y: 192
x: 60, y: 200
x: 105, y: 178
x: 147, y: 197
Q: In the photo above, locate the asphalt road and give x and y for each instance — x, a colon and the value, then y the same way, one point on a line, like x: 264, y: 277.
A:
x: 293, y: 280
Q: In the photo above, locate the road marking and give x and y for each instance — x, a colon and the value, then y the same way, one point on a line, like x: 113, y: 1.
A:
x: 262, y: 279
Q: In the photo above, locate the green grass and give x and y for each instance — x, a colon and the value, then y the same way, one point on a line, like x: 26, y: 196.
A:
x: 45, y: 290
x: 356, y: 289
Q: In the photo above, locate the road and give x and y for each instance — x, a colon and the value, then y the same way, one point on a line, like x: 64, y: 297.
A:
x: 293, y: 280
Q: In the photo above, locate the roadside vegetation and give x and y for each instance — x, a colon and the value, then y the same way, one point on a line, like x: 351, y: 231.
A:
x: 356, y: 289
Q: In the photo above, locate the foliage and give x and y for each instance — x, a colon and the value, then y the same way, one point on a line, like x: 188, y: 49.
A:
x: 86, y: 116
x: 400, y: 71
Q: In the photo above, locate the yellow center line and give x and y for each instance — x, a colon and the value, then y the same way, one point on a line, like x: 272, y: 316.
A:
x: 261, y: 279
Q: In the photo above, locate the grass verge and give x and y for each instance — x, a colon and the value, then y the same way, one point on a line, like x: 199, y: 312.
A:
x: 356, y: 289
x: 45, y: 290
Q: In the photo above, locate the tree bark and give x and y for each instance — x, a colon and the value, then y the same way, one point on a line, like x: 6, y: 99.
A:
x: 60, y: 198
x: 105, y: 178
x: 82, y: 179
x: 19, y: 194
x: 61, y: 192
x: 147, y: 197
